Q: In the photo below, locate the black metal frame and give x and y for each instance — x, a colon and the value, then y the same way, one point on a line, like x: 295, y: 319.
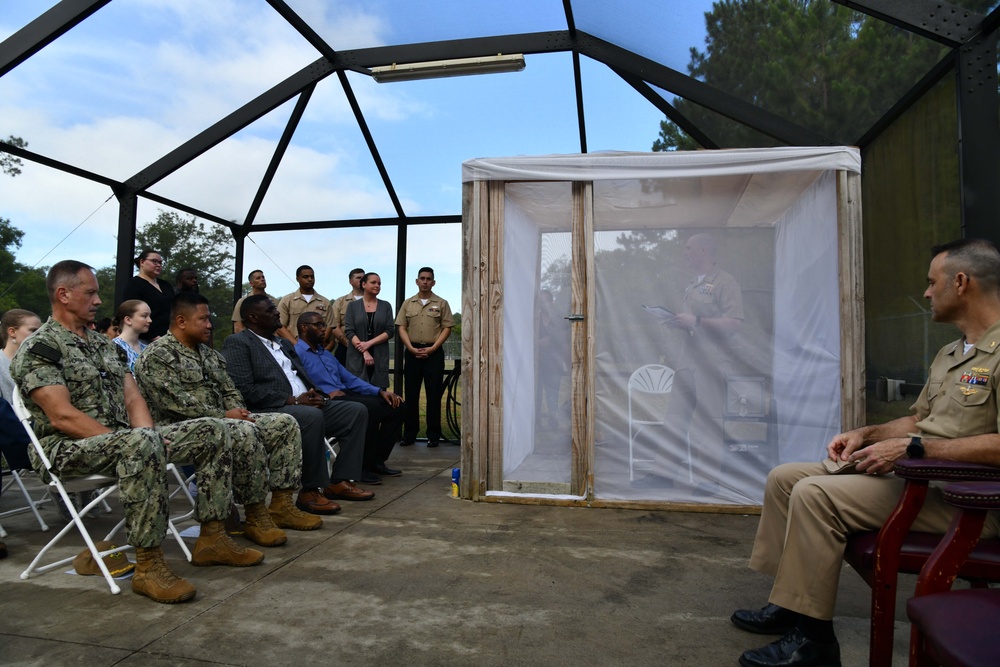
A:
x: 973, y: 61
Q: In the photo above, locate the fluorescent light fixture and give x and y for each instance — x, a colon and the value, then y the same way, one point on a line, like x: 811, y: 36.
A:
x: 437, y: 69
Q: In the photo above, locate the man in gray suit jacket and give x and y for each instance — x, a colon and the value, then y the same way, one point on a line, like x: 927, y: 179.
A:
x: 268, y: 373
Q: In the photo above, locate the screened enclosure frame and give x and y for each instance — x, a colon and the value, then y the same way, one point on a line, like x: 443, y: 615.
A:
x: 971, y: 37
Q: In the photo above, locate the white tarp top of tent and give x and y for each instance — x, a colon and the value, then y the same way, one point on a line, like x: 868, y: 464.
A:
x: 672, y: 164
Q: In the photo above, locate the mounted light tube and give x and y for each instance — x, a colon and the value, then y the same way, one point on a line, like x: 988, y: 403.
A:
x: 438, y: 69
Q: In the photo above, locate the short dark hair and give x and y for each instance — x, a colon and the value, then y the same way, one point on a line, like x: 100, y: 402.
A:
x: 979, y: 258
x: 354, y: 272
x: 186, y: 270
x: 186, y: 302
x: 426, y: 269
x: 302, y: 268
x: 252, y: 302
x: 307, y: 317
x: 368, y: 276
x: 64, y: 274
x: 250, y: 275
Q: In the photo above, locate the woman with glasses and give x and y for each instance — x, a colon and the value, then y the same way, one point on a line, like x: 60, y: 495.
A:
x: 368, y: 325
x: 147, y: 286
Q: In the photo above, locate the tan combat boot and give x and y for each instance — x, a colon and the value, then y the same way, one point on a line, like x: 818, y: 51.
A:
x: 260, y: 529
x: 154, y: 579
x: 286, y: 515
x: 215, y: 547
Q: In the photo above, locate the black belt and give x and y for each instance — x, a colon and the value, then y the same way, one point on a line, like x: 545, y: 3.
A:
x: 421, y: 344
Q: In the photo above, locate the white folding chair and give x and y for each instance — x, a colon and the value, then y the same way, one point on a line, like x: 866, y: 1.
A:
x: 331, y: 453
x: 16, y: 479
x: 182, y: 489
x: 104, y: 487
x: 651, y: 379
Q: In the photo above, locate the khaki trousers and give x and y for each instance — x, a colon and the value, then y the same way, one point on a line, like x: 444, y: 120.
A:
x: 804, y: 524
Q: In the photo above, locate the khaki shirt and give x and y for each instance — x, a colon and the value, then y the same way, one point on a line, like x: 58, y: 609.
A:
x: 236, y: 308
x: 340, y: 309
x: 960, y: 398
x: 715, y: 295
x: 90, y: 367
x: 294, y: 304
x: 179, y: 383
x: 424, y: 322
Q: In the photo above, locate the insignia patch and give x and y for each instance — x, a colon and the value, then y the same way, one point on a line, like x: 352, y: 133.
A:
x: 706, y: 288
x: 976, y: 376
x: 968, y: 391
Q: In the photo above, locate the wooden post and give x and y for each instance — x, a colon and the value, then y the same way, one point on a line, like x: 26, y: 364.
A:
x: 582, y: 381
x: 492, y: 251
x: 471, y: 347
x: 852, y: 300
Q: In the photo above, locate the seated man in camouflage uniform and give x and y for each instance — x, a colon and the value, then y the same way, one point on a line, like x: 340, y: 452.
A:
x: 181, y: 377
x: 90, y: 418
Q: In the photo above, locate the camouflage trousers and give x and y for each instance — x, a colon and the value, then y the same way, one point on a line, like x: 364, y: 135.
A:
x: 139, y: 456
x: 268, y: 447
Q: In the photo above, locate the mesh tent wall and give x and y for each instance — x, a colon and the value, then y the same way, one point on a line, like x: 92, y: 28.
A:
x: 570, y: 263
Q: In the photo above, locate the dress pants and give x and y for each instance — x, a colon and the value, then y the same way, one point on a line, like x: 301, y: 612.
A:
x: 430, y: 371
x: 382, y: 431
x: 340, y: 419
x: 804, y: 524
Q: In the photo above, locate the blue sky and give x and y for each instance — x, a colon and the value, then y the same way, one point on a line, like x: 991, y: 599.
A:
x: 140, y: 77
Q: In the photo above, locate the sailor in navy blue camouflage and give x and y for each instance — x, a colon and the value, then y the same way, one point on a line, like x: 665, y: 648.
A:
x: 181, y: 377
x: 90, y: 418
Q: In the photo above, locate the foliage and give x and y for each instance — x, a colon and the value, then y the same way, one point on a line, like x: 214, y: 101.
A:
x: 185, y: 243
x: 815, y: 63
x: 20, y: 285
x: 9, y: 164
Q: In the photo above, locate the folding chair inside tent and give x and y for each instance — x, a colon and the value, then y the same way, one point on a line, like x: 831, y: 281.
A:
x: 648, y: 380
x: 103, y: 484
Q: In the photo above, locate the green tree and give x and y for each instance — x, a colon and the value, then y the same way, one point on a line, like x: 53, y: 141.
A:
x: 813, y: 62
x: 9, y: 164
x: 20, y: 285
x: 186, y: 243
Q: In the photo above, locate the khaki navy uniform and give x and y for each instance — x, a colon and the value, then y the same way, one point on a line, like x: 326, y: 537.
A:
x: 704, y: 367
x: 292, y: 305
x: 236, y: 309
x: 179, y: 383
x: 94, y: 375
x: 424, y: 323
x: 808, y: 513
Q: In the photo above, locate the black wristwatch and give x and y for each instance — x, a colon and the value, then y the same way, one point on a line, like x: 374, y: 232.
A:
x: 915, y: 450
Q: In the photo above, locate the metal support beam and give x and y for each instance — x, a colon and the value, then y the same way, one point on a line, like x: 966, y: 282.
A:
x: 979, y: 137
x: 344, y: 224
x: 533, y: 42
x: 25, y: 154
x: 578, y: 84
x: 41, y: 32
x: 397, y: 379
x: 701, y: 93
x: 127, y: 213
x: 279, y: 152
x: 370, y: 141
x: 669, y: 110
x: 241, y: 245
x: 231, y: 124
x: 943, y: 22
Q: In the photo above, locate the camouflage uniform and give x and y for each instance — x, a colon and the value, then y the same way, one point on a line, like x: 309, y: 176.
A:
x: 93, y: 373
x: 180, y: 383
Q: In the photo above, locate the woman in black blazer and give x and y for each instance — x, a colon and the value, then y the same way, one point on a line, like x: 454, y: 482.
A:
x: 147, y: 286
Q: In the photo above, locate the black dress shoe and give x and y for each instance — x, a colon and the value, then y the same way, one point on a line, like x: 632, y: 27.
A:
x: 386, y: 471
x: 793, y: 650
x: 769, y: 620
x: 433, y: 443
x: 371, y: 479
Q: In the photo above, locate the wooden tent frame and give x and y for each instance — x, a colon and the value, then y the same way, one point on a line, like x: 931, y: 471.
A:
x: 482, y: 343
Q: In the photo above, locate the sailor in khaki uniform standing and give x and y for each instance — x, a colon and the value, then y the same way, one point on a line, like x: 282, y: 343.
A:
x: 423, y: 324
x: 808, y: 513
x: 304, y: 299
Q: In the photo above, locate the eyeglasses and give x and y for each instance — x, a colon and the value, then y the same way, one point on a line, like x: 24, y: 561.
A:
x: 155, y: 261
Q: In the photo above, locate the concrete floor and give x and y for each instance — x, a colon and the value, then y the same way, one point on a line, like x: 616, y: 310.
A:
x: 418, y: 578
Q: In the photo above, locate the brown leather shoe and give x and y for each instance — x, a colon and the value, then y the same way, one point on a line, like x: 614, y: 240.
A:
x: 346, y: 490
x: 314, y: 503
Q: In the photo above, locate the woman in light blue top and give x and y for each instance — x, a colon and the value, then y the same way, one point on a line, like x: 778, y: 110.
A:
x: 132, y: 319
